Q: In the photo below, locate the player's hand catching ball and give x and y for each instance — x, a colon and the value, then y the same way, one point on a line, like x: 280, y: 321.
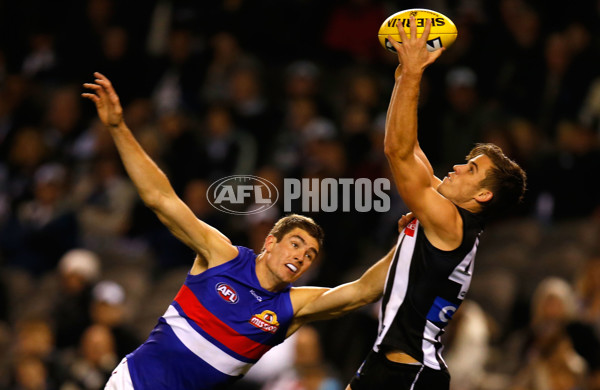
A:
x: 412, y: 52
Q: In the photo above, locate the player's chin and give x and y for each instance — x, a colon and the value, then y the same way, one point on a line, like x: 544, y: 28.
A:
x: 292, y: 277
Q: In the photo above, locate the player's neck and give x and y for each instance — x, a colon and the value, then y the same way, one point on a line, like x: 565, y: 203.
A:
x: 266, y: 277
x: 472, y: 206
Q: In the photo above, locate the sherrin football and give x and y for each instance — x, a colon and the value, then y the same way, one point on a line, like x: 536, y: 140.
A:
x: 442, y: 34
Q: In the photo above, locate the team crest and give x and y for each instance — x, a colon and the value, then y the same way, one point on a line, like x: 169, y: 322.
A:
x: 410, y: 229
x: 265, y: 321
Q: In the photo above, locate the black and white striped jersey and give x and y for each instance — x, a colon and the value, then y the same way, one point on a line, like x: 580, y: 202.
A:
x: 424, y: 287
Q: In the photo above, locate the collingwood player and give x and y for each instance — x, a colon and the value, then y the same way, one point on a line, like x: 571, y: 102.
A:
x: 433, y: 263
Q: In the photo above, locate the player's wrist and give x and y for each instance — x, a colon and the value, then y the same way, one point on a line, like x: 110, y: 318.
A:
x: 114, y: 125
x: 410, y: 74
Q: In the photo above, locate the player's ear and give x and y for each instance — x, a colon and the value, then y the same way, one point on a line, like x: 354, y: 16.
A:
x: 484, y: 195
x: 269, y: 242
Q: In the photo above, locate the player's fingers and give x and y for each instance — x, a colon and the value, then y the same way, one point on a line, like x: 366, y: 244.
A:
x: 100, y: 76
x: 103, y: 82
x: 90, y: 96
x: 394, y: 43
x: 108, y: 88
x: 426, y: 30
x: 437, y: 53
x: 401, y: 224
x: 404, y: 221
x: 102, y: 88
x: 92, y: 86
x: 401, y: 31
x: 413, y: 27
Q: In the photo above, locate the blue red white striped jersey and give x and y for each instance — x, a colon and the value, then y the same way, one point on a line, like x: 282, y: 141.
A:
x: 220, y: 323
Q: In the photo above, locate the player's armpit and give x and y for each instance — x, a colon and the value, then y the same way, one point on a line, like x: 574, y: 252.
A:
x: 438, y: 215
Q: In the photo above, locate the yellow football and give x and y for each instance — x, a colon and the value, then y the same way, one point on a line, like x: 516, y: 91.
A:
x: 442, y: 34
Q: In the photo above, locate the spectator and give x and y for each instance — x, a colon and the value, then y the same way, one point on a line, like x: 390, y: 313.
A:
x: 45, y: 227
x: 553, y: 354
x: 310, y: 370
x: 91, y: 364
x: 79, y: 269
x: 109, y: 308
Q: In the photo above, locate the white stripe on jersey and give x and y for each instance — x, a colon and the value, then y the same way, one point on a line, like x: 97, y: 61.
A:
x: 398, y: 292
x: 202, y: 347
x: 430, y: 354
x: 416, y: 378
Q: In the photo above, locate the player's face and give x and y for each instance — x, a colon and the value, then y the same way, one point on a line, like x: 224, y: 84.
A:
x: 292, y: 255
x: 464, y: 182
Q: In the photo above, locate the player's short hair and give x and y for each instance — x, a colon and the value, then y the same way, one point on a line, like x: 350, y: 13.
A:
x: 506, y: 179
x: 292, y: 221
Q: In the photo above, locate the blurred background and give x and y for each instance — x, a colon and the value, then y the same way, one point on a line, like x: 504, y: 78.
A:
x: 278, y: 89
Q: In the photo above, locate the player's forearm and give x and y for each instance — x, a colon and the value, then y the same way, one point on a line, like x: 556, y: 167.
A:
x: 367, y: 289
x: 401, y: 122
x: 149, y: 180
x: 372, y: 282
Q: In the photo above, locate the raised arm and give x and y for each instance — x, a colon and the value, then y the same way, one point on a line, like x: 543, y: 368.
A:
x: 417, y: 148
x: 152, y: 184
x: 412, y: 172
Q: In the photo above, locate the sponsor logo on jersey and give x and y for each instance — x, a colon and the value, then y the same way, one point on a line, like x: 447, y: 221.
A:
x: 265, y: 321
x: 410, y: 229
x: 441, y: 312
x: 227, y: 292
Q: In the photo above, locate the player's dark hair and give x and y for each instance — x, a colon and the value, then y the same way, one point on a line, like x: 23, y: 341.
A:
x: 292, y: 221
x: 506, y: 179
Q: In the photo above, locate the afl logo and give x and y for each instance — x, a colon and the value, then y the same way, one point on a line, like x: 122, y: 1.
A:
x: 227, y: 293
x: 242, y: 194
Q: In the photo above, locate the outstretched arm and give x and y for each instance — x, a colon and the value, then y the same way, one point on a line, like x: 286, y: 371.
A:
x: 327, y: 303
x: 318, y: 303
x: 152, y: 184
x: 417, y: 148
x: 412, y: 172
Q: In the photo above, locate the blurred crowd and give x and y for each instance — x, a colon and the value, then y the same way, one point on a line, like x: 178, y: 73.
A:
x: 291, y: 89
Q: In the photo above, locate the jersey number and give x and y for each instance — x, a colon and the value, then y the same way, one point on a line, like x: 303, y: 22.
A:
x: 463, y: 272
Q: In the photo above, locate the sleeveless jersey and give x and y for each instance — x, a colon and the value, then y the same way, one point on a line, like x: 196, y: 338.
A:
x: 424, y: 287
x: 220, y: 323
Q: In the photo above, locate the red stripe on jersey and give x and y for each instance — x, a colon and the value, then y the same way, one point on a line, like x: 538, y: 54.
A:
x: 212, y: 325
